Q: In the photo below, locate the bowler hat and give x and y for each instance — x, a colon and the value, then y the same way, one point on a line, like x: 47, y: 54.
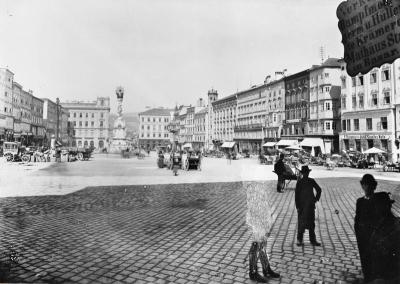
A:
x: 305, y: 169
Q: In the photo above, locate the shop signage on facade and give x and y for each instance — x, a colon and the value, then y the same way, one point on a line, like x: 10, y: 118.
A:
x: 370, y: 33
x: 366, y: 136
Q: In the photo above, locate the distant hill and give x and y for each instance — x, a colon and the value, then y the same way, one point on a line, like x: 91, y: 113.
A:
x: 131, y: 119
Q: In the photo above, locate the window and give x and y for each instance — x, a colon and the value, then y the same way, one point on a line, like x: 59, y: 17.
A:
x: 353, y: 82
x: 74, y: 114
x: 80, y: 115
x: 384, y: 123
x: 356, y: 124
x: 373, y: 78
x: 354, y: 101
x: 343, y: 82
x: 361, y: 101
x: 348, y: 125
x: 327, y: 106
x: 327, y: 89
x: 148, y: 127
x: 142, y: 127
x: 326, y: 75
x: 142, y: 119
x: 334, y: 125
x: 86, y: 124
x: 327, y: 125
x: 101, y: 115
x: 93, y: 113
x: 344, y: 125
x: 374, y: 99
x: 154, y: 119
x: 370, y: 143
x: 92, y: 123
x: 74, y: 123
x: 80, y: 123
x: 385, y: 75
x: 343, y: 102
x: 369, y: 124
x: 101, y: 123
x: 361, y: 80
x: 386, y: 98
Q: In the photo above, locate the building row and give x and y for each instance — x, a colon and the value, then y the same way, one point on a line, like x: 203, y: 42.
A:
x: 321, y: 107
x: 31, y: 120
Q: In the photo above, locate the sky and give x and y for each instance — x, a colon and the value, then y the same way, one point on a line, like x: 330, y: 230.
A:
x: 163, y: 52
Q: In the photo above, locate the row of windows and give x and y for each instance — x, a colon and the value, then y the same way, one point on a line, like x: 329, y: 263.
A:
x: 154, y: 135
x: 374, y: 100
x: 348, y: 126
x: 75, y: 114
x: 87, y: 124
x: 155, y: 127
x: 373, y: 78
x: 154, y: 119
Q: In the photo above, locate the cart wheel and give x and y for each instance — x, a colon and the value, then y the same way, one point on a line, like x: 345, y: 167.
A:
x: 80, y: 156
x: 25, y: 158
x: 9, y: 158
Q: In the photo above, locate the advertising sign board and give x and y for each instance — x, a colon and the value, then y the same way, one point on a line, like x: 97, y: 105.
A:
x: 370, y: 33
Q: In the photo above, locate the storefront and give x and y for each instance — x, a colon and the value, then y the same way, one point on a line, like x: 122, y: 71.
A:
x: 365, y: 141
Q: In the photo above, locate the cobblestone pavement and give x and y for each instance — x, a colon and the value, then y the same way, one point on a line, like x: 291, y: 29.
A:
x: 104, y: 170
x: 186, y: 233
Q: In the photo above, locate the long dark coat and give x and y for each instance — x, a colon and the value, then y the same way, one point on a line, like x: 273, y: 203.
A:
x: 305, y: 202
x: 364, y: 224
x: 385, y: 249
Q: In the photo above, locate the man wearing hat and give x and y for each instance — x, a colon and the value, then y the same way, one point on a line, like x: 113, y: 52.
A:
x: 305, y: 204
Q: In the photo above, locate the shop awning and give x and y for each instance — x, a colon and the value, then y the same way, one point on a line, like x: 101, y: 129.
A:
x: 187, y: 145
x: 312, y: 142
x: 269, y: 144
x: 286, y: 143
x: 228, y: 145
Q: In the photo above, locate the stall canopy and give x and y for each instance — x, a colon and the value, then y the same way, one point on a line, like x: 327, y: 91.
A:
x: 187, y: 145
x: 313, y: 142
x: 269, y: 144
x: 374, y: 150
x: 228, y: 145
x: 286, y: 143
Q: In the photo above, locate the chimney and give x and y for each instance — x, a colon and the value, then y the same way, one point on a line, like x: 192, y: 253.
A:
x: 280, y: 74
x: 267, y: 80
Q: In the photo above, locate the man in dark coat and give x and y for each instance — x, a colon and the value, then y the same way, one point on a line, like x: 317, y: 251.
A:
x: 305, y: 204
x: 385, y: 241
x: 279, y: 169
x: 364, y: 223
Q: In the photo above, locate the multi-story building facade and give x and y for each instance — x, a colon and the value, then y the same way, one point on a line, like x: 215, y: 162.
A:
x: 275, y: 109
x: 297, y: 98
x: 251, y: 115
x: 37, y: 127
x: 324, y: 121
x: 153, y: 128
x: 90, y: 123
x: 212, y: 96
x: 224, y: 119
x: 368, y: 109
x: 6, y: 105
x: 200, y: 123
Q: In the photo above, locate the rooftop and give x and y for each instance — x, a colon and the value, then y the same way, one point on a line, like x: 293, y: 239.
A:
x: 157, y: 112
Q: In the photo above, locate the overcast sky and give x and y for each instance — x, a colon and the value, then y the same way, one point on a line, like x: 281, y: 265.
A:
x: 162, y: 52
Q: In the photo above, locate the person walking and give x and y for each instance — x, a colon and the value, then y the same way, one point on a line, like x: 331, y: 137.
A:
x: 279, y: 169
x: 305, y: 200
x: 385, y: 241
x: 364, y: 223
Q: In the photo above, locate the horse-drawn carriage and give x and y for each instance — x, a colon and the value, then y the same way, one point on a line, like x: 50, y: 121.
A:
x: 81, y: 154
x: 191, y: 161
